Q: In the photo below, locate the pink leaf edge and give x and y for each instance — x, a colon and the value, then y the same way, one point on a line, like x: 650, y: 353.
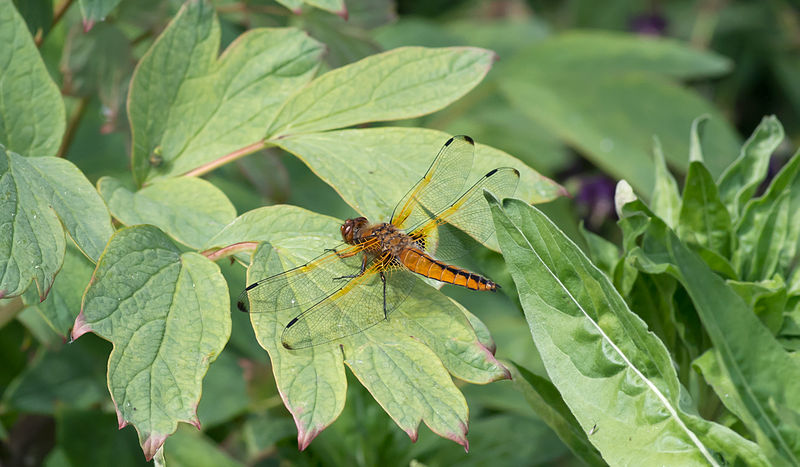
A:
x: 80, y: 327
x: 151, y: 444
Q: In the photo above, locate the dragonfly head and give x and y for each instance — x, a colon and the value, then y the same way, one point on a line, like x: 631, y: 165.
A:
x: 351, y: 227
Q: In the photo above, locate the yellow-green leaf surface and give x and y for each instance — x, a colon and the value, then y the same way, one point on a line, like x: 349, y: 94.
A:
x: 606, y: 110
x: 336, y: 7
x: 190, y: 210
x: 401, y: 83
x: 407, y: 375
x: 40, y: 198
x: 767, y: 381
x: 373, y: 168
x: 167, y: 315
x: 188, y: 107
x: 31, y: 110
x: 616, y: 377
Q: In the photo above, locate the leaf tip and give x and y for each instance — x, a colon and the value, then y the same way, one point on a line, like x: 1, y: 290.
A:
x: 195, y: 421
x: 304, y: 438
x: 151, y: 444
x: 3, y: 294
x: 343, y: 13
x: 460, y: 438
x: 80, y: 327
x: 88, y: 24
x: 412, y: 433
x: 121, y: 422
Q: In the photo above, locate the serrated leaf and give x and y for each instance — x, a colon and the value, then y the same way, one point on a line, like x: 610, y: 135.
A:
x: 703, y: 219
x: 741, y: 179
x: 167, y: 315
x: 394, y: 159
x: 766, y: 380
x: 666, y: 200
x: 39, y: 198
x: 32, y: 117
x: 401, y: 83
x: 190, y: 210
x: 606, y: 110
x: 312, y: 381
x: 550, y: 407
x: 188, y: 108
x: 612, y: 373
x: 768, y: 231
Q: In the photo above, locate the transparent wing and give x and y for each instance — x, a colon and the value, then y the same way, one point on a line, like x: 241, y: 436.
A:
x: 362, y: 303
x: 305, y: 285
x: 446, y: 234
x: 445, y: 179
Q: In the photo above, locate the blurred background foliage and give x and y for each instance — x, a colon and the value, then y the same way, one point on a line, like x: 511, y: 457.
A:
x: 578, y: 93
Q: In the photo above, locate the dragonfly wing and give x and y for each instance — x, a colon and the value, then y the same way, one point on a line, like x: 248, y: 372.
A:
x: 301, y: 287
x: 442, y: 183
x: 360, y: 304
x: 470, y: 215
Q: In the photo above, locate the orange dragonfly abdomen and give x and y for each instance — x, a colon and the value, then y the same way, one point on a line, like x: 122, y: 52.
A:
x: 423, y: 264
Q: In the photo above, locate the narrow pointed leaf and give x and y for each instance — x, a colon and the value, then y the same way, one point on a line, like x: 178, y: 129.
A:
x: 39, y: 198
x: 167, y: 315
x: 740, y: 181
x: 32, y: 117
x: 398, y: 84
x: 767, y: 381
x: 616, y: 377
x: 188, y: 107
x: 666, y: 200
x: 768, y: 231
x: 190, y: 210
x: 703, y: 219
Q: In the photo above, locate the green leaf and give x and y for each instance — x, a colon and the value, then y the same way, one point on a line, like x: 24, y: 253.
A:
x: 70, y: 376
x: 591, y: 343
x: 167, y: 315
x: 606, y: 111
x: 666, y: 200
x: 32, y: 117
x: 765, y: 377
x: 63, y: 303
x: 603, y: 253
x: 768, y: 231
x: 394, y: 159
x: 398, y: 84
x: 190, y: 210
x: 767, y: 299
x: 550, y: 407
x: 741, y: 179
x: 39, y: 198
x: 84, y: 437
x: 95, y: 10
x: 336, y: 7
x: 312, y: 381
x: 38, y: 15
x: 188, y: 108
x: 592, y: 53
x: 189, y: 448
x: 703, y: 219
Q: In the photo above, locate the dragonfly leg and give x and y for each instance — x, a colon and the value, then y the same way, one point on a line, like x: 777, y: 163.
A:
x: 383, y: 279
x: 340, y: 255
x: 363, y: 268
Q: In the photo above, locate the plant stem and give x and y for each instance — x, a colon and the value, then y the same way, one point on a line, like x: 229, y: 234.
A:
x: 57, y: 15
x: 205, y: 168
x: 215, y: 254
x: 72, y: 126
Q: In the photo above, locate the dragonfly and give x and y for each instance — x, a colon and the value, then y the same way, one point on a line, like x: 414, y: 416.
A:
x: 357, y: 284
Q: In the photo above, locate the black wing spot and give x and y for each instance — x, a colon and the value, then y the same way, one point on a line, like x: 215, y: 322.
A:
x: 516, y: 172
x: 241, y: 306
x: 251, y: 286
x: 449, y: 141
x: 294, y: 320
x: 491, y: 172
x: 469, y: 140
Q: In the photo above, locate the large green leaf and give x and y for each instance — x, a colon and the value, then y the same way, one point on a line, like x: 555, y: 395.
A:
x: 615, y: 376
x: 373, y: 168
x: 398, y: 84
x: 768, y: 231
x: 39, y: 198
x: 407, y: 376
x: 741, y: 179
x: 766, y: 378
x: 31, y: 110
x: 189, y: 209
x: 188, y: 108
x: 167, y: 315
x: 605, y: 109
